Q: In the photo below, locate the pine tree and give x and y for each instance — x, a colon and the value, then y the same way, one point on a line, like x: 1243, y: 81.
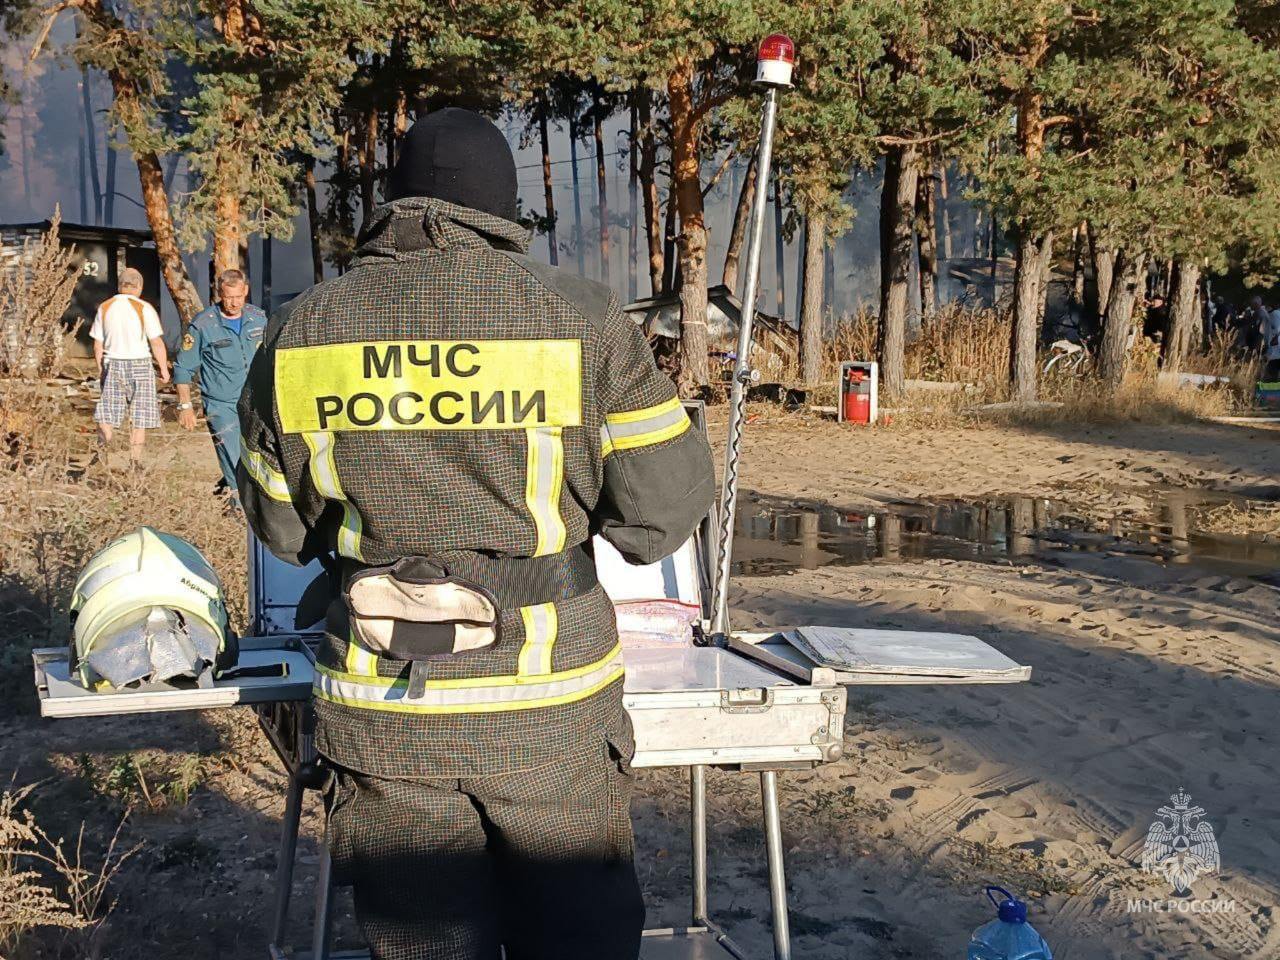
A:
x: 700, y: 55
x: 1180, y: 135
x: 268, y: 79
x: 1025, y: 48
x: 924, y: 97
x: 129, y: 48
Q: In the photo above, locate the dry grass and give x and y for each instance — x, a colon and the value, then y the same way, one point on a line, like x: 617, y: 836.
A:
x: 970, y: 349
x: 34, y: 294
x: 957, y: 345
x: 46, y: 884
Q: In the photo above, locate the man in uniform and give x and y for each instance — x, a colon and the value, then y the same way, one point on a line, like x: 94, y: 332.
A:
x: 455, y: 420
x: 218, y: 346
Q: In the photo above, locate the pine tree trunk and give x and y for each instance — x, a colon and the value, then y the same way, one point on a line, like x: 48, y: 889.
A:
x: 313, y: 220
x: 897, y: 210
x: 946, y: 211
x: 266, y: 279
x: 109, y: 195
x: 779, y: 247
x: 227, y: 226
x: 687, y: 182
x: 1046, y: 275
x: 671, y: 263
x: 226, y: 233
x: 82, y: 172
x: 1026, y: 301
x: 926, y: 239
x: 649, y: 193
x: 738, y: 233
x: 976, y: 243
x: 578, y: 241
x: 548, y: 191
x: 91, y: 144
x: 1127, y: 287
x: 399, y: 126
x: 1104, y: 267
x: 633, y: 213
x: 829, y: 276
x: 1077, y: 265
x: 602, y: 187
x: 341, y: 183
x: 1035, y: 245
x: 815, y: 240
x: 1182, y: 313
x: 368, y: 158
x: 1104, y: 272
x: 155, y: 199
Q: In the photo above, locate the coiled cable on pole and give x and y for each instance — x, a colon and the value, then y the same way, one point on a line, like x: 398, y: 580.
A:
x: 742, y: 370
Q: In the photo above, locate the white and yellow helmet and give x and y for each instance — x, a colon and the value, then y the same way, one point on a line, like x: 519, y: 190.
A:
x: 148, y: 607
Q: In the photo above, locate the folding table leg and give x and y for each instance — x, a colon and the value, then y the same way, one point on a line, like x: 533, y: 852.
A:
x: 698, y: 840
x: 777, y: 873
x: 324, y: 902
x: 287, y: 856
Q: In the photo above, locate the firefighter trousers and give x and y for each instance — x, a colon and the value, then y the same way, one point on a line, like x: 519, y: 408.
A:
x: 536, y: 863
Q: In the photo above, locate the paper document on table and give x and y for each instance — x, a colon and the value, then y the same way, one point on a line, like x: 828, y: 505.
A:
x: 899, y: 652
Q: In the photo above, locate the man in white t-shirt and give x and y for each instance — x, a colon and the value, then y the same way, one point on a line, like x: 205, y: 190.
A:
x: 126, y: 336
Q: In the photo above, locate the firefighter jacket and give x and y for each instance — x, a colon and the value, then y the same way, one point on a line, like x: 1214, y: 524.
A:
x: 451, y: 398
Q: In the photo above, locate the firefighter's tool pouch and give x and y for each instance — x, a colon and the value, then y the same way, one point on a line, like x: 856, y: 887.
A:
x: 409, y: 611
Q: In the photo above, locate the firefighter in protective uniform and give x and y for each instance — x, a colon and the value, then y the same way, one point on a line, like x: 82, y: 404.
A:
x: 455, y: 420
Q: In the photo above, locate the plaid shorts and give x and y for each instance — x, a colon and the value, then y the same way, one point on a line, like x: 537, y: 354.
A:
x: 132, y: 384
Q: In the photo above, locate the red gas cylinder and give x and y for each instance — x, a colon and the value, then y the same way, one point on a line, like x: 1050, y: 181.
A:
x: 857, y: 398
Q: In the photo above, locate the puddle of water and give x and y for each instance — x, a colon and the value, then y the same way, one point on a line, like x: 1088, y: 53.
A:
x: 776, y: 536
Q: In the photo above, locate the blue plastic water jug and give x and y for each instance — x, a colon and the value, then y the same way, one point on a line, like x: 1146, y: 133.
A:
x: 1009, y: 936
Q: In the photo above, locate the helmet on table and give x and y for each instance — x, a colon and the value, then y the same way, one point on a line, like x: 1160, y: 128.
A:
x: 149, y: 607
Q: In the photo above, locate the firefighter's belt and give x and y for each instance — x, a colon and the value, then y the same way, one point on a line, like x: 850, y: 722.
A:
x: 421, y: 609
x: 512, y: 582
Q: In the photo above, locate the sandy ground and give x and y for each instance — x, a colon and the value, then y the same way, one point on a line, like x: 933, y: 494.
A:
x: 1146, y: 679
x: 1102, y: 468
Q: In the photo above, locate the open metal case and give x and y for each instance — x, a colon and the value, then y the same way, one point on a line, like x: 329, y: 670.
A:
x: 759, y: 703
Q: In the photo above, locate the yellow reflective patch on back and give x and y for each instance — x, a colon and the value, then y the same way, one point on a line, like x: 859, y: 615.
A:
x: 430, y: 385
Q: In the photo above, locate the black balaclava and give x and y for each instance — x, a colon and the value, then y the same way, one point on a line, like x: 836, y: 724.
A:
x: 459, y: 157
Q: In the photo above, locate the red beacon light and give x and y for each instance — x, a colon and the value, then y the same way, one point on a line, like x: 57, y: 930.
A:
x: 776, y: 58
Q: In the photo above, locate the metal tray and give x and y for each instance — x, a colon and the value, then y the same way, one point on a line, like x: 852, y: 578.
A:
x: 61, y: 696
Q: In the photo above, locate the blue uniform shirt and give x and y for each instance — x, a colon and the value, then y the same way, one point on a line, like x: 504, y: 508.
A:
x: 220, y: 354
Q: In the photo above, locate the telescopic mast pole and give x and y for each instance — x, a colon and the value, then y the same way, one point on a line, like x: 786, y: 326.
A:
x: 774, y: 65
